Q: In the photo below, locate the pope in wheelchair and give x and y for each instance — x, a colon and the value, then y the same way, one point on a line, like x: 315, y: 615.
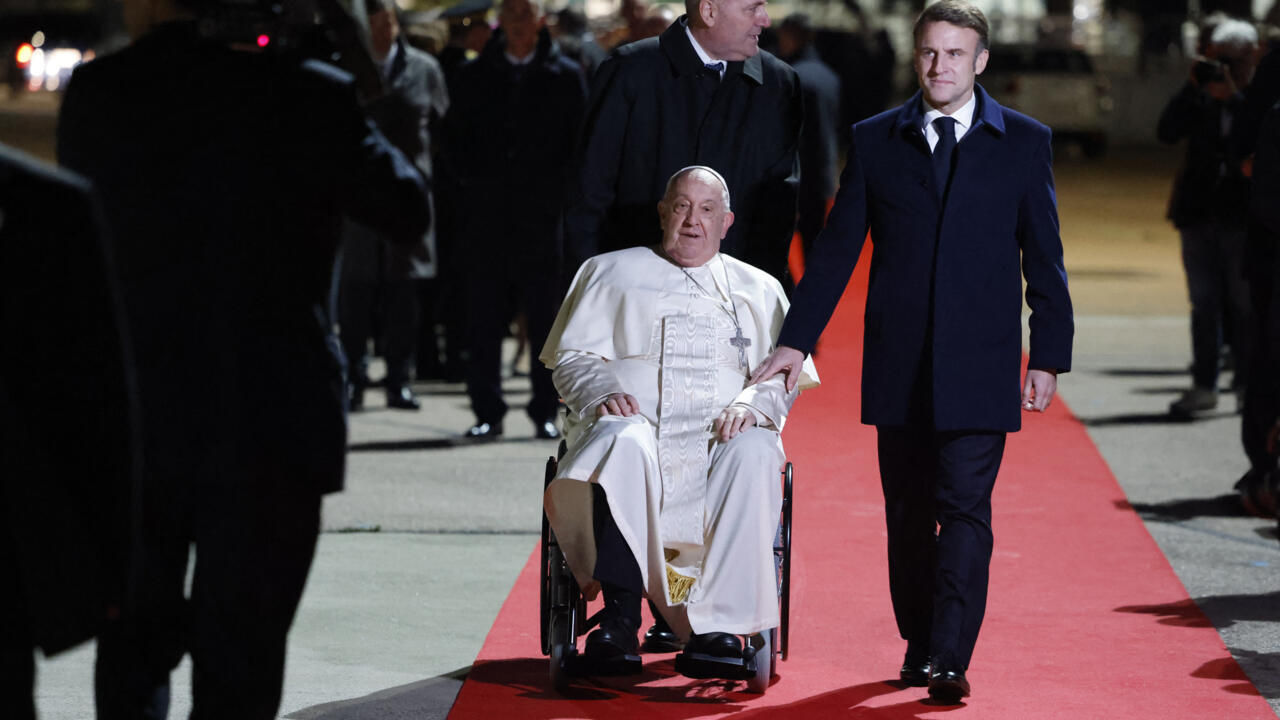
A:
x: 669, y: 487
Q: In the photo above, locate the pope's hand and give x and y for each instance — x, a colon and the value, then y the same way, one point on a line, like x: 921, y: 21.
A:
x: 732, y: 421
x: 1038, y: 390
x: 618, y: 404
x: 784, y: 358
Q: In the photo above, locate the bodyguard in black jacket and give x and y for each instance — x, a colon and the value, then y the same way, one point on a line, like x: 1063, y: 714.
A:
x: 655, y: 108
x: 510, y: 134
x: 224, y: 175
x: 68, y: 457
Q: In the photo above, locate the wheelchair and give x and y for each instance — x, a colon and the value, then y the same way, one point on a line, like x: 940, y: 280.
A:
x: 563, y: 613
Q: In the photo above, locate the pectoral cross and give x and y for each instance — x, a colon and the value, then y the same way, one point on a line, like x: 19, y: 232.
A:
x: 742, y: 343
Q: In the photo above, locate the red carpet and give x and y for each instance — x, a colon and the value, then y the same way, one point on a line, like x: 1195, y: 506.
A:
x: 1086, y: 619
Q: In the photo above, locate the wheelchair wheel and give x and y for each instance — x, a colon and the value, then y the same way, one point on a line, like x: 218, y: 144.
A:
x: 561, y: 650
x: 544, y: 600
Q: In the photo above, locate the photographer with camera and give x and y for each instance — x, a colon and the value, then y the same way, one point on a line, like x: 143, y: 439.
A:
x: 1209, y: 206
x: 225, y: 163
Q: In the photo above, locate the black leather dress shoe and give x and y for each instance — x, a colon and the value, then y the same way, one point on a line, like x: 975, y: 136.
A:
x: 914, y: 674
x: 483, y: 431
x: 715, y: 644
x: 546, y: 430
x: 661, y: 639
x: 948, y: 686
x: 401, y: 398
x: 615, y: 637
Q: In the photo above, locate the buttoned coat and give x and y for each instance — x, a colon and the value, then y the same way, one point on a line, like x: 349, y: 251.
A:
x: 654, y: 109
x: 946, y: 277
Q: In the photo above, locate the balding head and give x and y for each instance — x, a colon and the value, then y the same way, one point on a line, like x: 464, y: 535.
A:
x: 695, y: 215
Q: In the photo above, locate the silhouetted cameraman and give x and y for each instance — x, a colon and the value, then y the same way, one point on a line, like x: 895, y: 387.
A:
x: 224, y: 169
x: 1209, y: 206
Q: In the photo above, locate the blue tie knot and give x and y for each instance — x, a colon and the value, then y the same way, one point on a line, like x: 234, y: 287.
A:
x: 716, y: 67
x: 946, y: 129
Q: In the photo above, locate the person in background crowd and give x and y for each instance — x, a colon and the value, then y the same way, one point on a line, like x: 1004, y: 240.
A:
x: 818, y: 138
x: 379, y: 283
x: 224, y: 179
x: 1260, y: 423
x: 1209, y: 207
x: 701, y: 93
x: 510, y: 135
x: 469, y: 33
x: 576, y: 40
x: 68, y: 432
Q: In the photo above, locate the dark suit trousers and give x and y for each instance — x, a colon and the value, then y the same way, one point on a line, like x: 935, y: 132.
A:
x: 388, y: 310
x: 495, y: 288
x: 937, y: 496
x: 254, y: 537
x: 17, y: 649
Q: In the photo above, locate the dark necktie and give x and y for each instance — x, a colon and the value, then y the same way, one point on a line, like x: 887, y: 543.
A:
x: 715, y: 67
x: 942, y: 153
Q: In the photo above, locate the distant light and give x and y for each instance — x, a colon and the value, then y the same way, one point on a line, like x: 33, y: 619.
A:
x: 1081, y: 11
x: 38, y: 39
x: 24, y: 54
x: 263, y: 41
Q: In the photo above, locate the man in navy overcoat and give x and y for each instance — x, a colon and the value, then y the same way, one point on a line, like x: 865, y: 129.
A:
x: 957, y: 193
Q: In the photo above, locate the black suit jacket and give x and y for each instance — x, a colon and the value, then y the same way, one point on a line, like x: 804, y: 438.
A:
x: 67, y: 419
x: 1209, y: 185
x: 818, y: 140
x: 224, y: 176
x: 946, y: 278
x: 654, y: 109
x: 509, y: 142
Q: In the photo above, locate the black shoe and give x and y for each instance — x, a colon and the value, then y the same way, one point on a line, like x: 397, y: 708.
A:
x: 483, y: 431
x: 401, y: 397
x: 355, y: 397
x: 914, y: 673
x: 948, y: 686
x: 661, y: 639
x: 546, y: 430
x: 614, y: 638
x: 715, y: 644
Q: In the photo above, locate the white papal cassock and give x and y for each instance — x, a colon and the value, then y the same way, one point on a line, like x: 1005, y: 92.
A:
x: 699, y: 515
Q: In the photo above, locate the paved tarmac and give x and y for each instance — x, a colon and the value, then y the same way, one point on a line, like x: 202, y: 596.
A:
x: 421, y: 550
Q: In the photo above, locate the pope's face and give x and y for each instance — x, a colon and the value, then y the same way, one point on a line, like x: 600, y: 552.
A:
x: 948, y: 62
x: 735, y: 35
x: 694, y: 219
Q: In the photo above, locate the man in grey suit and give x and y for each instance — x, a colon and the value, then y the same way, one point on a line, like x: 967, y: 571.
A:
x: 380, y: 282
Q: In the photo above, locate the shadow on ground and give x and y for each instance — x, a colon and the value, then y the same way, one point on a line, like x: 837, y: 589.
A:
x: 1226, y: 505
x: 1223, y: 611
x: 424, y: 700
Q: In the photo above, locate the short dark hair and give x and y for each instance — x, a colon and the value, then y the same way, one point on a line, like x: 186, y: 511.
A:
x: 958, y: 13
x: 800, y: 24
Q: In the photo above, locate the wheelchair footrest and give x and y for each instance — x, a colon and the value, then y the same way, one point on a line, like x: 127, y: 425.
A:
x: 709, y: 667
x: 580, y: 665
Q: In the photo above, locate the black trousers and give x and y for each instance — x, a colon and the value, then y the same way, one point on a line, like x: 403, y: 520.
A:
x: 494, y: 291
x: 17, y: 648
x: 387, y: 311
x: 254, y: 539
x: 937, y: 496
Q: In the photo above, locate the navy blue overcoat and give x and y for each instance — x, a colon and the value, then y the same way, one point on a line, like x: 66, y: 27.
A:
x: 946, y: 277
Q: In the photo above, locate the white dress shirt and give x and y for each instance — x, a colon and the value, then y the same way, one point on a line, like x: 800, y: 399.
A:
x: 702, y: 54
x: 963, y: 118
